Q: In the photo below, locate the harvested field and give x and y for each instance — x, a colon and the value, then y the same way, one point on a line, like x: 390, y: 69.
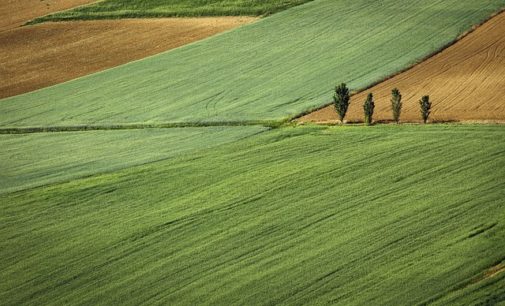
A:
x: 46, y: 54
x: 14, y: 13
x: 466, y: 83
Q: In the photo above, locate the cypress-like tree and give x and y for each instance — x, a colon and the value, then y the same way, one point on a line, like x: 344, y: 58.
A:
x: 341, y: 100
x: 396, y: 104
x: 368, y: 108
x: 425, y: 107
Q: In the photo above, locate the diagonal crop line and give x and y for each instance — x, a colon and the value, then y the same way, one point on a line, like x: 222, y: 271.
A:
x: 138, y: 126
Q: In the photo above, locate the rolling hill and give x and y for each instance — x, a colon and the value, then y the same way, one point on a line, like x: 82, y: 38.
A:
x: 306, y: 215
x: 272, y: 69
x: 115, y: 189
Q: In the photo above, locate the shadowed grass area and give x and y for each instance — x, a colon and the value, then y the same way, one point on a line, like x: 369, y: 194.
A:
x: 306, y: 215
x: 30, y: 160
x: 273, y: 69
x: 112, y: 9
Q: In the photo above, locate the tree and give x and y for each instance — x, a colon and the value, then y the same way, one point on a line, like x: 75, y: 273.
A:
x: 425, y: 107
x: 341, y: 100
x: 396, y: 104
x: 368, y: 108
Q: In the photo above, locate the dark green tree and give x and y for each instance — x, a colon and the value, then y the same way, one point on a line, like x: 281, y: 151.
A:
x: 341, y: 100
x: 396, y: 104
x: 368, y: 108
x: 425, y: 107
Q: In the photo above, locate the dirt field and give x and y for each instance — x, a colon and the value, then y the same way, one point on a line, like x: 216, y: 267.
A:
x: 466, y: 82
x: 37, y: 56
x: 14, y: 13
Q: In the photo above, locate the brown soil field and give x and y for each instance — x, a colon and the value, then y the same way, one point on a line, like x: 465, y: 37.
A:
x: 14, y: 13
x: 38, y: 56
x: 466, y: 82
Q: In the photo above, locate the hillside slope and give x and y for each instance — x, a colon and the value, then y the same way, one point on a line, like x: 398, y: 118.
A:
x: 38, y: 159
x: 34, y: 57
x: 384, y: 215
x: 273, y: 69
x: 465, y: 82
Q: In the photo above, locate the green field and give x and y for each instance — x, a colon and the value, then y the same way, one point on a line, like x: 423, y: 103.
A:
x: 41, y: 158
x: 394, y: 215
x: 270, y: 70
x: 105, y: 198
x: 110, y: 9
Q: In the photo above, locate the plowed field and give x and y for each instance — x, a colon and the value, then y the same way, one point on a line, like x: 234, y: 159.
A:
x: 466, y: 83
x: 38, y: 56
x: 273, y: 69
x: 14, y: 13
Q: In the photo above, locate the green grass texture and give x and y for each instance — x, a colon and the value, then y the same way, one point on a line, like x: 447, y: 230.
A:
x: 36, y: 159
x: 113, y: 9
x: 383, y: 215
x: 273, y: 69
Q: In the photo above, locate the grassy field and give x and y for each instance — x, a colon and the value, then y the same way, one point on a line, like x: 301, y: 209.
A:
x: 270, y: 70
x: 381, y: 215
x: 68, y: 50
x: 42, y: 158
x: 307, y: 215
x: 111, y: 9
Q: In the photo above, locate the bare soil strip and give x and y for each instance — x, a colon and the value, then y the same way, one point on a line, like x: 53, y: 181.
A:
x: 466, y: 82
x: 38, y: 56
x: 14, y: 13
x: 493, y: 271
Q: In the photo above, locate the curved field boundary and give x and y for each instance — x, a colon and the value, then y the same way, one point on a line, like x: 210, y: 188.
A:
x: 270, y: 70
x: 465, y: 82
x: 34, y: 57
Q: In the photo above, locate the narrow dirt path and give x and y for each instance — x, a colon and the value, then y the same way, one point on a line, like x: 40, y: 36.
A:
x: 466, y: 82
x: 38, y: 56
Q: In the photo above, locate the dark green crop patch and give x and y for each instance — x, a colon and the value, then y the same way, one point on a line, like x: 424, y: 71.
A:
x: 114, y: 9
